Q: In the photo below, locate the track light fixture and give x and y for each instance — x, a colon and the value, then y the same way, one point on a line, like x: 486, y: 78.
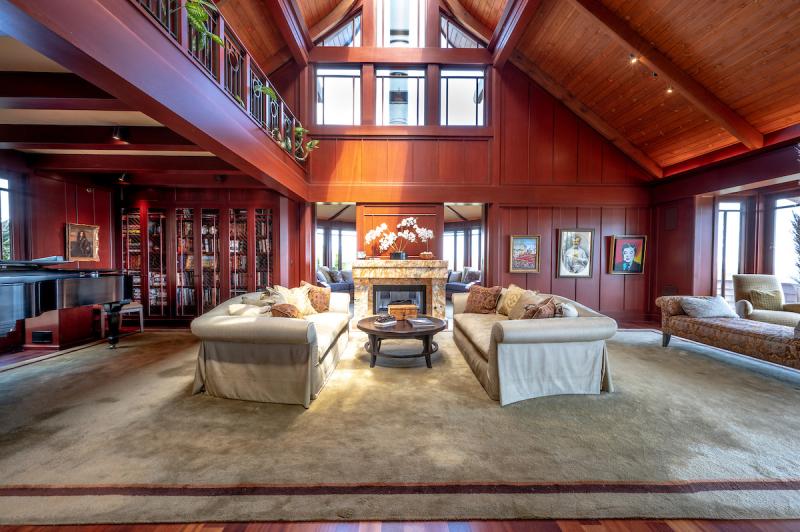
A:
x: 122, y: 178
x: 670, y: 90
x: 120, y: 133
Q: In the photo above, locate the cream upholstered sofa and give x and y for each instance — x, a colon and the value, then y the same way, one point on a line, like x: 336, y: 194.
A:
x: 266, y: 359
x: 743, y: 284
x: 516, y: 360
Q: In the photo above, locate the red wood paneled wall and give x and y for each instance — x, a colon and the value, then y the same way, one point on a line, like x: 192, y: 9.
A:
x: 369, y: 216
x: 618, y: 295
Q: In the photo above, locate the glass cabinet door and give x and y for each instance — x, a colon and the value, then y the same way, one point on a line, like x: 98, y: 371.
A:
x: 263, y: 248
x: 238, y: 251
x: 132, y: 249
x: 185, y: 296
x: 157, y: 266
x: 209, y: 241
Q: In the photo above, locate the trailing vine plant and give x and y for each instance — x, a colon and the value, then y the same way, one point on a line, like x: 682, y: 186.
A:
x: 303, y: 147
x: 198, y: 13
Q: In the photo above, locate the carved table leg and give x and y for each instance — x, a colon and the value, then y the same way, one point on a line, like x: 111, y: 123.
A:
x: 114, y: 320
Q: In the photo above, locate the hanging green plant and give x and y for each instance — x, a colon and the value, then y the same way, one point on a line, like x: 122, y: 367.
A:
x: 266, y: 89
x: 303, y: 147
x: 198, y: 13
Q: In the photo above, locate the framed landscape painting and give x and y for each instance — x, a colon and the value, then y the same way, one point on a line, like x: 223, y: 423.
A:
x: 575, y: 252
x: 627, y: 254
x: 83, y: 242
x: 524, y: 254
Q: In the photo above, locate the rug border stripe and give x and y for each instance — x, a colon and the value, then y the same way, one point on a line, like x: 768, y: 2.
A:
x: 457, y: 488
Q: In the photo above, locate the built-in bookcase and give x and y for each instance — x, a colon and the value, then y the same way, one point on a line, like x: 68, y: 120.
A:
x: 209, y: 238
x: 264, y: 274
x: 131, y: 228
x: 237, y: 244
x: 185, y: 281
x: 157, y: 295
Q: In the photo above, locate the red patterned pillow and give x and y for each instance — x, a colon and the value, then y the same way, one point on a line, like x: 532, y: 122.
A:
x: 545, y: 309
x: 285, y: 310
x: 482, y: 300
x: 319, y: 296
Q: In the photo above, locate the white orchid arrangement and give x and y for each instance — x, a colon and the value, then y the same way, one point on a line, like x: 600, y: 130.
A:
x: 408, y: 232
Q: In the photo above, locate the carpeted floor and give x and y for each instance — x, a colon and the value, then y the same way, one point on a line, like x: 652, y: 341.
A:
x: 102, y: 436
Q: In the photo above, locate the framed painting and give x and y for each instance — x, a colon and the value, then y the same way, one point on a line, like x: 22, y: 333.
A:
x: 575, y: 252
x: 83, y: 242
x: 627, y: 254
x: 524, y: 254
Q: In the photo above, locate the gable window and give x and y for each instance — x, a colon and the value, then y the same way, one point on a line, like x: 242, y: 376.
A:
x: 462, y: 97
x: 347, y: 35
x: 401, y: 23
x: 454, y: 36
x: 5, y: 221
x: 400, y: 97
x: 338, y: 96
x: 730, y: 230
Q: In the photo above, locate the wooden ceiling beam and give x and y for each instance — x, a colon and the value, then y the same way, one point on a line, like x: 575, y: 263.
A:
x: 131, y: 163
x: 51, y: 90
x: 292, y: 26
x: 689, y: 88
x: 24, y: 136
x: 409, y: 56
x: 465, y: 18
x: 510, y: 29
x: 586, y: 114
x: 342, y: 10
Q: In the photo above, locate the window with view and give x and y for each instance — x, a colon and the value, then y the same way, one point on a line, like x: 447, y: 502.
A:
x: 338, y: 96
x: 347, y: 35
x: 453, y: 36
x: 462, y: 97
x: 400, y: 23
x: 462, y: 247
x: 785, y: 257
x: 729, y: 253
x: 5, y: 221
x: 400, y: 97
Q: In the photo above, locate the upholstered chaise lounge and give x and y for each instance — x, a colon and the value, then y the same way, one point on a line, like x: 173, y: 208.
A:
x: 266, y: 359
x: 522, y: 359
x: 767, y: 341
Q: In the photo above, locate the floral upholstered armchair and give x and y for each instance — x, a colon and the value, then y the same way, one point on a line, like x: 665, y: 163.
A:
x: 760, y: 298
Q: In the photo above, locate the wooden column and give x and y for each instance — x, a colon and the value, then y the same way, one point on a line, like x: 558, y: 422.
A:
x: 282, y: 249
x: 368, y: 94
x: 432, y: 96
x: 368, y: 24
x: 432, y: 24
x: 306, y: 235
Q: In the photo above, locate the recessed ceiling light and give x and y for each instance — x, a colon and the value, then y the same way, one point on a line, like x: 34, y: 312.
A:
x: 633, y: 59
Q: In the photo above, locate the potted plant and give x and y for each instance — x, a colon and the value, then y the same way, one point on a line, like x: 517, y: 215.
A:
x: 397, y: 242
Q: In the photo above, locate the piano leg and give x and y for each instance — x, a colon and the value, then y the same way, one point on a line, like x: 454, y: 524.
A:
x: 114, y: 322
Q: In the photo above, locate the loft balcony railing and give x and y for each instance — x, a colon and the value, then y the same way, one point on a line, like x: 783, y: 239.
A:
x: 230, y: 67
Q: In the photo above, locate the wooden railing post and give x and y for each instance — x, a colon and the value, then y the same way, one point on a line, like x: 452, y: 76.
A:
x: 246, y: 80
x: 223, y: 52
x: 183, y: 27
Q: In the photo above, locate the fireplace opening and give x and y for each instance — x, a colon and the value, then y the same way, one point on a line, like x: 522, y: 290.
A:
x: 384, y: 295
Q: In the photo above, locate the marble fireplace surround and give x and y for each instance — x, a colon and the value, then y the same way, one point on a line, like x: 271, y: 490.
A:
x: 432, y: 274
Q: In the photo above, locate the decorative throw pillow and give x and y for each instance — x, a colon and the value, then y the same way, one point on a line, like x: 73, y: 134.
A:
x: 320, y: 297
x: 529, y: 297
x: 272, y: 297
x: 545, y: 309
x: 454, y: 277
x: 470, y: 276
x: 482, y: 300
x: 240, y: 309
x: 285, y: 310
x: 297, y: 297
x: 767, y: 299
x: 707, y: 307
x: 326, y: 273
x: 509, y: 298
x: 260, y: 302
x: 566, y: 310
x: 336, y: 276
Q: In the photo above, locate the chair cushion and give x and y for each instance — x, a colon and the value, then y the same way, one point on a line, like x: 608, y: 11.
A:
x: 336, y: 276
x: 478, y: 329
x: 470, y: 276
x: 482, y: 300
x: 341, y: 287
x: 707, y: 307
x: 320, y: 297
x: 456, y: 287
x: 454, y: 277
x: 328, y: 326
x: 778, y: 317
x: 767, y: 299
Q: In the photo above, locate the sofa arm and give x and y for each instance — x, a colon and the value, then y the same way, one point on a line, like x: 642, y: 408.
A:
x: 340, y: 302
x: 254, y: 330
x: 792, y: 307
x: 459, y: 303
x: 553, y: 330
x: 744, y: 308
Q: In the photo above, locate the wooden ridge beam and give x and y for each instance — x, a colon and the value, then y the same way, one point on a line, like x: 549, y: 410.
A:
x: 131, y: 163
x: 510, y: 29
x: 465, y: 18
x: 342, y: 10
x: 586, y: 114
x: 447, y: 56
x: 25, y: 136
x: 51, y: 90
x: 293, y: 28
x: 689, y: 88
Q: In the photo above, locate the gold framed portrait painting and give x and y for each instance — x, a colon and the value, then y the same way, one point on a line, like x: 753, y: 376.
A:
x: 83, y: 242
x: 524, y: 254
x: 575, y: 252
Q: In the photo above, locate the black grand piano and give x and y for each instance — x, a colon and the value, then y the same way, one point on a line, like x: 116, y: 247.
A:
x: 29, y: 288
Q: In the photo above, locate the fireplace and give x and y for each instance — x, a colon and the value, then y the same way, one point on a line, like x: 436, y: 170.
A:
x: 409, y: 294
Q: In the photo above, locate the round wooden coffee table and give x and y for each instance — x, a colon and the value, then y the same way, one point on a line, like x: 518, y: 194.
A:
x: 402, y: 330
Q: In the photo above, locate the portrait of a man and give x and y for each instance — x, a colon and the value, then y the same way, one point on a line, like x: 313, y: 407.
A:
x: 627, y: 254
x: 82, y: 242
x: 575, y: 252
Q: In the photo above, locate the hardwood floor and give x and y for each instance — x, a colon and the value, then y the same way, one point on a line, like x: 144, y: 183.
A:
x: 605, y: 525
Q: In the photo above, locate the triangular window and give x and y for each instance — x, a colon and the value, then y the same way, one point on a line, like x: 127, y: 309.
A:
x: 347, y: 34
x: 452, y: 35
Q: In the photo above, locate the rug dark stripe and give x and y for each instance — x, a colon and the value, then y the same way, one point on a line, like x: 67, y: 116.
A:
x: 533, y: 488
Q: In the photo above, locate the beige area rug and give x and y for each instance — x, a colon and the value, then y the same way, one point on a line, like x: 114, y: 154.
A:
x: 110, y: 436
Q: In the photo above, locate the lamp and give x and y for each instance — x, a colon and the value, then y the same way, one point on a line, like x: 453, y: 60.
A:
x: 120, y: 133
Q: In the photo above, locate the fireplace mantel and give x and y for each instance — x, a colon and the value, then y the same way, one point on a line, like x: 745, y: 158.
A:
x: 430, y: 273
